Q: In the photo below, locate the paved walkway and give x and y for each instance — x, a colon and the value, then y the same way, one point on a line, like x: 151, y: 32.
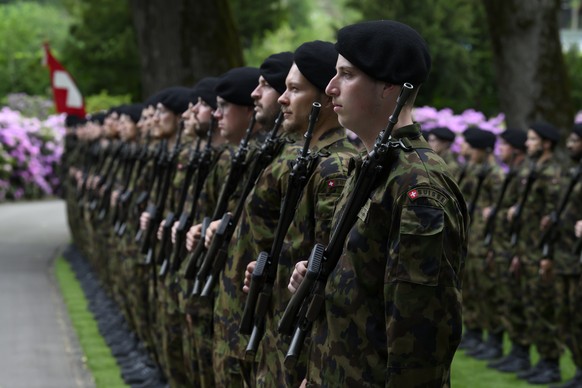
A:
x: 38, y: 347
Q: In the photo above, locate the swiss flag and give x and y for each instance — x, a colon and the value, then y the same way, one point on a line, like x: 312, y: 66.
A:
x: 68, y: 98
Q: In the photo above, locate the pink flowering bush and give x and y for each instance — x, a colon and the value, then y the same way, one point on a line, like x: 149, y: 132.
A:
x: 430, y: 118
x: 30, y: 153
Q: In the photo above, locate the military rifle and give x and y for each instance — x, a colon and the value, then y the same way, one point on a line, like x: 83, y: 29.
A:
x: 215, y: 259
x: 515, y: 225
x: 307, y: 302
x: 121, y: 161
x: 157, y: 211
x: 155, y: 179
x: 238, y: 166
x: 201, y: 163
x: 483, y: 172
x: 490, y: 223
x: 550, y: 235
x: 265, y: 272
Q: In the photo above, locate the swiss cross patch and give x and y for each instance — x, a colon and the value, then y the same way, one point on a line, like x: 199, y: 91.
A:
x: 413, y: 194
x: 331, y: 184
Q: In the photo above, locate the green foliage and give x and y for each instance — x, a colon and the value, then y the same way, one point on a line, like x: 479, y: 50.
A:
x: 456, y: 31
x: 254, y: 20
x: 23, y: 27
x: 97, y: 354
x: 104, y: 101
x: 573, y: 59
x: 101, y: 51
x: 307, y: 21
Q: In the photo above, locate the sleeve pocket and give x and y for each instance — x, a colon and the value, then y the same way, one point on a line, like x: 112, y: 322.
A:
x: 420, y: 245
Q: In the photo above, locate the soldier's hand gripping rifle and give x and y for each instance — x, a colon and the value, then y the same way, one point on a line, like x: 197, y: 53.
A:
x: 143, y: 155
x: 238, y: 166
x: 265, y: 272
x: 515, y: 225
x: 550, y: 235
x: 154, y: 180
x: 156, y: 213
x: 114, y: 151
x: 305, y: 305
x: 215, y: 259
x: 483, y: 172
x: 490, y: 223
x: 122, y: 160
x: 200, y: 163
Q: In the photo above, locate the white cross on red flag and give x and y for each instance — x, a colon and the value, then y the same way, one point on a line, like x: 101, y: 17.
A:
x: 68, y: 99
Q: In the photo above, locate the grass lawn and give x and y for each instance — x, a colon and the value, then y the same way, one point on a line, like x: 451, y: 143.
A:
x: 470, y: 373
x: 466, y: 371
x: 98, y: 356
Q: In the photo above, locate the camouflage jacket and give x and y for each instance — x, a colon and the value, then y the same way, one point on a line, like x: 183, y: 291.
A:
x: 311, y: 224
x: 486, y: 197
x: 565, y: 262
x: 542, y: 199
x: 502, y: 231
x: 452, y: 162
x: 392, y: 314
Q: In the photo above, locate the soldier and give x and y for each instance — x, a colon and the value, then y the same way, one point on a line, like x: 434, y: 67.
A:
x: 399, y: 275
x: 440, y: 140
x: 312, y: 218
x: 508, y: 298
x: 538, y: 292
x: 234, y: 110
x: 479, y: 187
x: 563, y: 265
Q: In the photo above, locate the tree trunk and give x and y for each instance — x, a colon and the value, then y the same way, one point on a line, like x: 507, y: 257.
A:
x: 532, y: 78
x: 181, y: 41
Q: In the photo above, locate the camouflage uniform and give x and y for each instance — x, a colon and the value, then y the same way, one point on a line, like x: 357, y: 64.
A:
x: 452, y: 162
x: 255, y: 230
x: 566, y: 267
x: 311, y: 224
x: 538, y: 295
x: 508, y: 293
x: 479, y: 280
x: 393, y: 302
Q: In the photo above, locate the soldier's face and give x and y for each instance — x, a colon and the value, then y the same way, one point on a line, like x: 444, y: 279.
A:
x: 266, y: 106
x: 165, y: 122
x: 357, y: 98
x: 127, y: 128
x: 297, y: 100
x: 232, y: 120
x: 437, y: 144
x: 533, y: 143
x: 202, y: 115
x: 505, y: 151
x: 189, y: 119
x: 574, y: 146
x: 110, y: 124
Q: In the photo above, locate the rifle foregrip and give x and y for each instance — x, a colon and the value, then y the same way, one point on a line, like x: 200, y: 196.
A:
x: 300, y: 296
x: 257, y: 280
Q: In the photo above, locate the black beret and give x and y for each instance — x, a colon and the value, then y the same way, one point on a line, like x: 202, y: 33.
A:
x: 177, y: 98
x: 386, y: 50
x: 275, y: 69
x: 205, y: 90
x: 316, y: 61
x: 133, y: 111
x: 577, y: 129
x: 515, y: 138
x: 479, y: 138
x: 236, y: 85
x: 546, y: 131
x: 74, y: 120
x: 98, y: 117
x: 443, y: 133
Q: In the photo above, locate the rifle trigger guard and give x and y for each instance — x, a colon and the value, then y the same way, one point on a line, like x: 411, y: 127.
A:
x: 398, y: 144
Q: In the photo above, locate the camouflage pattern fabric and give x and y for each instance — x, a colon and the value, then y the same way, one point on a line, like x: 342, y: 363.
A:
x: 311, y: 224
x: 393, y: 303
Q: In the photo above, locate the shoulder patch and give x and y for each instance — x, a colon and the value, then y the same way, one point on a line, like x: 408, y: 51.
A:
x: 426, y: 192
